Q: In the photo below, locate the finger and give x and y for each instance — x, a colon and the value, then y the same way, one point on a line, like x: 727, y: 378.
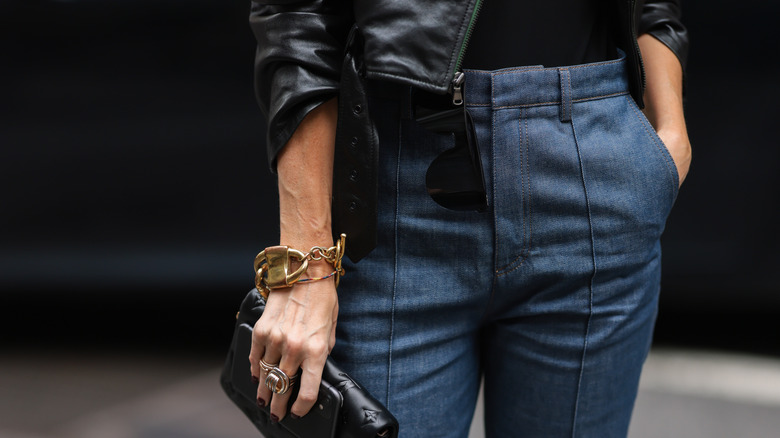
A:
x: 279, y: 401
x: 256, y: 351
x: 311, y: 374
x: 264, y: 395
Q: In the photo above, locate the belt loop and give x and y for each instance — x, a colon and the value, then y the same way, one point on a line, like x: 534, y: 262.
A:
x: 565, y: 77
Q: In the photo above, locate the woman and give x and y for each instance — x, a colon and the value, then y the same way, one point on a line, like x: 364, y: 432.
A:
x: 550, y: 292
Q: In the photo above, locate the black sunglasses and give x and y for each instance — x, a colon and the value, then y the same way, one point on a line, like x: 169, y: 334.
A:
x: 454, y: 179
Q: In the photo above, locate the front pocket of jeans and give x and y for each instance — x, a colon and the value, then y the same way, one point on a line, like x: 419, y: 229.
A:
x: 658, y: 145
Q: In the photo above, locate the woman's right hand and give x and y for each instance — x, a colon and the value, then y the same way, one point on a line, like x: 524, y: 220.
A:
x: 297, y: 330
x: 298, y: 326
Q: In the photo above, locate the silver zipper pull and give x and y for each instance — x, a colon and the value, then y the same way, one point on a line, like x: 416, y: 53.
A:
x: 457, y: 90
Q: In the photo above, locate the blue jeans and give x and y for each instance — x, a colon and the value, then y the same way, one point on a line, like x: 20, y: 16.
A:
x: 551, y: 295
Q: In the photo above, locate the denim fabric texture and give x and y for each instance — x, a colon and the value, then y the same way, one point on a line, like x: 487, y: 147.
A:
x: 551, y: 295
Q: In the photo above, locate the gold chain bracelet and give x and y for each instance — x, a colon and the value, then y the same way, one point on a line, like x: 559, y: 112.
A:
x: 272, y: 265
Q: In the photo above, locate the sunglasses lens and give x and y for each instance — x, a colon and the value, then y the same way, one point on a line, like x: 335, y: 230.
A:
x: 452, y: 182
x: 454, y: 179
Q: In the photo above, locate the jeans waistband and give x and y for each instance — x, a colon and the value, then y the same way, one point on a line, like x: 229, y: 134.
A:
x: 537, y: 85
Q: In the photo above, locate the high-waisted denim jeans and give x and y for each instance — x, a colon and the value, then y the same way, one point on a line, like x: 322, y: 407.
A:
x: 550, y: 295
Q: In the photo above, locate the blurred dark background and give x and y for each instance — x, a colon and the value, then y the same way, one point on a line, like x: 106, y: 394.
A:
x: 134, y: 186
x: 135, y: 192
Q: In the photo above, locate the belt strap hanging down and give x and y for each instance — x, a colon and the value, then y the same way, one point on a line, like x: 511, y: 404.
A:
x: 355, y: 182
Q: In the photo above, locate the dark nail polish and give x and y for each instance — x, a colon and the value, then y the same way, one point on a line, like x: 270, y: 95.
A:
x: 274, y: 419
x: 255, y: 380
x: 260, y: 403
x: 293, y: 416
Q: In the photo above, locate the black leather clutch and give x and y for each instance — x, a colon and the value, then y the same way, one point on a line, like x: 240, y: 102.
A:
x: 343, y: 409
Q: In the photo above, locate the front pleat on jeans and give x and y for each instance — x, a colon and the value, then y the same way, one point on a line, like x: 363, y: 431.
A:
x: 395, y: 260
x: 592, y: 277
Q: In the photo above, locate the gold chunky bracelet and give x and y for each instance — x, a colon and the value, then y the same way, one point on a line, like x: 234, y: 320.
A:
x: 272, y: 265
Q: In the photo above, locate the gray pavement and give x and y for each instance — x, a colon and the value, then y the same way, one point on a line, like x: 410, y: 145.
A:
x: 68, y: 395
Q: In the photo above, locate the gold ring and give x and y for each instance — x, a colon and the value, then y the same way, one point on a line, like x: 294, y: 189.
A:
x: 278, y: 381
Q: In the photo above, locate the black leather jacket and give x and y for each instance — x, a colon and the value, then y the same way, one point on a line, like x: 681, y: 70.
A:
x: 418, y: 43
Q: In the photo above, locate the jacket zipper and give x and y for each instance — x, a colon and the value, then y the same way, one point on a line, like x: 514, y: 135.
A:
x: 458, y: 76
x: 456, y: 88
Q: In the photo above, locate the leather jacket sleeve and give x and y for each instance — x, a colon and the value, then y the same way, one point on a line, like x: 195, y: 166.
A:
x: 661, y: 19
x: 300, y: 48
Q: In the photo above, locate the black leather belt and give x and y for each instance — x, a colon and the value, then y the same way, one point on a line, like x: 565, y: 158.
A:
x: 355, y: 180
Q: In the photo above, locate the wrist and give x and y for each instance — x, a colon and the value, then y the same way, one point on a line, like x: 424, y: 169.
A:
x: 317, y: 268
x: 280, y: 267
x: 305, y: 241
x: 673, y: 133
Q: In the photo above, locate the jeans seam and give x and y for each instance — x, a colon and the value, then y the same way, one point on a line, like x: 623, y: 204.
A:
x: 590, y: 284
x: 492, y: 207
x: 525, y: 181
x: 493, y: 173
x: 513, y: 70
x: 555, y: 102
x: 395, y: 263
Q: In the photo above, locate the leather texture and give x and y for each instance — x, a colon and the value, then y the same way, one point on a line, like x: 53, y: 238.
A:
x: 301, y: 43
x: 661, y: 19
x: 301, y: 49
x: 343, y: 409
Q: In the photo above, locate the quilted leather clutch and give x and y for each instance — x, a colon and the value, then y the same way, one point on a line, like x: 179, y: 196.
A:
x: 343, y: 409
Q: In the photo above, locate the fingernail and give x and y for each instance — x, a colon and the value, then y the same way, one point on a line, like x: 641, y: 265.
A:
x: 274, y: 419
x: 260, y: 402
x: 293, y: 416
x: 255, y: 380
